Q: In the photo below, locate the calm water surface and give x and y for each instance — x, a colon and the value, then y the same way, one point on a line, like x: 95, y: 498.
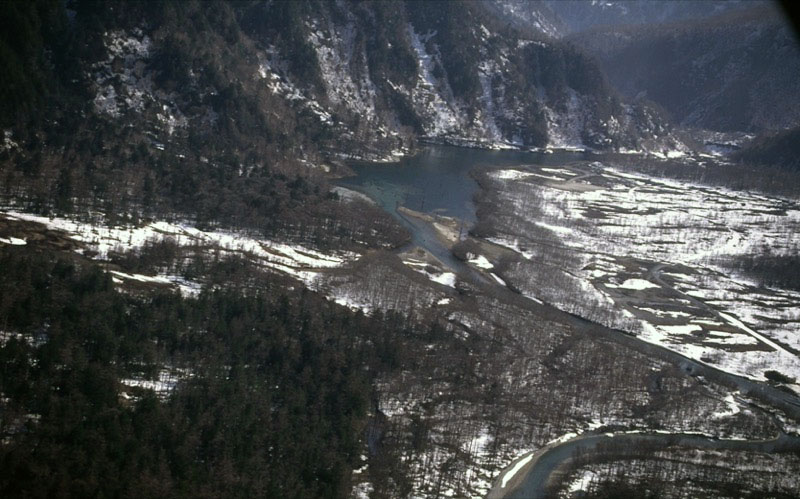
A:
x: 436, y: 180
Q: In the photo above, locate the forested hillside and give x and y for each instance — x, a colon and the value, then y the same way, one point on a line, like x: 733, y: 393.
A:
x: 237, y: 392
x: 780, y: 149
x: 237, y: 112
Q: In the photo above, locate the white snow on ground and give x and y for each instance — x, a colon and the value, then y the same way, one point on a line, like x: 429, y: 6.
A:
x: 564, y: 127
x: 668, y: 154
x: 362, y: 490
x: 295, y: 260
x: 132, y: 49
x: 749, y: 363
x: 348, y: 195
x: 732, y: 408
x: 186, y: 287
x: 554, y: 228
x: 479, y: 444
x: 513, y: 471
x: 724, y: 338
x: 480, y: 261
x: 167, y: 381
x: 124, y: 83
x: 564, y: 437
x: 338, y: 59
x: 620, y: 228
x: 736, y: 322
x: 351, y: 302
x: 431, y: 272
x: 634, y: 284
x: 581, y: 483
x: 764, y: 472
x: 280, y: 84
x: 446, y: 278
x: 548, y: 177
x: 665, y: 313
x: 679, y: 330
x: 139, y: 277
x: 8, y: 142
x: 560, y: 171
x: 772, y: 312
x: 510, y: 174
x: 432, y: 97
x: 14, y: 241
x: 511, y: 243
x: 501, y: 282
x: 6, y: 336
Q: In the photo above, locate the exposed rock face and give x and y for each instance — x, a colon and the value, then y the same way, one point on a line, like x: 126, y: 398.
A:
x: 451, y: 71
x: 294, y: 79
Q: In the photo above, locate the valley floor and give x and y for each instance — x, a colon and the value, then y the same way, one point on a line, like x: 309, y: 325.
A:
x: 512, y: 373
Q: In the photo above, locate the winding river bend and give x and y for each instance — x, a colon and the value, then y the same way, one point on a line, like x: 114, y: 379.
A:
x: 437, y: 181
x: 534, y: 484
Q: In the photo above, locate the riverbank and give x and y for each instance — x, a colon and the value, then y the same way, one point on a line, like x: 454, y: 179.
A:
x: 448, y: 229
x: 534, y: 354
x: 543, y: 469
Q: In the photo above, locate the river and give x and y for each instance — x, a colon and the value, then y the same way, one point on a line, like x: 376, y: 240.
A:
x: 534, y: 484
x: 437, y: 181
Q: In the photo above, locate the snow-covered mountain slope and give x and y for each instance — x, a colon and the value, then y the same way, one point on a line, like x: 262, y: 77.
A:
x: 359, y: 78
x: 466, y: 77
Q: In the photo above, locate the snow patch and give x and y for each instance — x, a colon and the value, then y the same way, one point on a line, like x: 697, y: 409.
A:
x: 513, y: 471
x: 480, y: 261
x: 14, y: 241
x: 634, y: 284
x: 446, y: 278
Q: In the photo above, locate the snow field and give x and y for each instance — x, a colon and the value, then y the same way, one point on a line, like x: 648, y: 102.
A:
x: 611, y: 231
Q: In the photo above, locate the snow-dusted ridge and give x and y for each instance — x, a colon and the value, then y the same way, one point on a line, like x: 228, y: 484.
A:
x: 292, y: 259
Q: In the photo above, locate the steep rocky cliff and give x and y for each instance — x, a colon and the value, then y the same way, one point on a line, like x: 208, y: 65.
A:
x: 302, y: 77
x: 236, y: 112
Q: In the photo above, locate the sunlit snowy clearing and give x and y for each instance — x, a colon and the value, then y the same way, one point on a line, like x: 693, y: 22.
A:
x: 297, y: 261
x: 648, y: 255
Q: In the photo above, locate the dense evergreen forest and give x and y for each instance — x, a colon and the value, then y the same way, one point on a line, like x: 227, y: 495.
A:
x: 779, y: 149
x: 771, y: 270
x: 272, y: 395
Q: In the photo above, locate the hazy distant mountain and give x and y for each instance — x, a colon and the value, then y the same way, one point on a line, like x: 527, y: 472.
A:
x: 580, y: 15
x: 736, y: 71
